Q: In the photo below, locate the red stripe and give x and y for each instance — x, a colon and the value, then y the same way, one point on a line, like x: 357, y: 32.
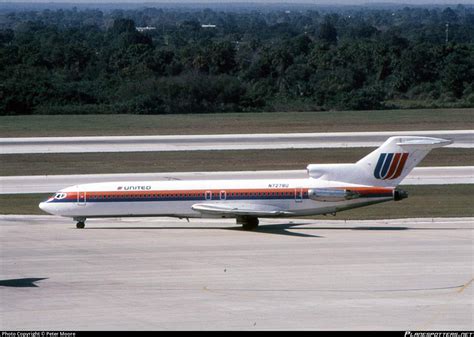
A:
x: 401, y: 166
x: 161, y: 193
x: 74, y: 195
x: 394, y: 165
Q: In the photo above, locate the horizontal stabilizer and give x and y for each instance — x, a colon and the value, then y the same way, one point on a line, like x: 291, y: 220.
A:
x: 424, y: 142
x: 235, y: 209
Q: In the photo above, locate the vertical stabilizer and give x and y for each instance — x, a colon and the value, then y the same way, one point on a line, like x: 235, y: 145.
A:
x: 387, y: 166
x: 393, y: 160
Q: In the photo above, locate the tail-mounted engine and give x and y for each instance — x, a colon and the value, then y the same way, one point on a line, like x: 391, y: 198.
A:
x: 331, y: 195
x: 399, y: 194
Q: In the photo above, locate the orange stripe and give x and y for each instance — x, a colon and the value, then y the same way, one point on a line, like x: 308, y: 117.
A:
x: 192, y: 192
x: 368, y: 190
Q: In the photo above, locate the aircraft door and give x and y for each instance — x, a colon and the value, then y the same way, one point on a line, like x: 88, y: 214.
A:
x: 81, y: 198
x: 223, y: 195
x: 208, y: 195
x: 298, y: 194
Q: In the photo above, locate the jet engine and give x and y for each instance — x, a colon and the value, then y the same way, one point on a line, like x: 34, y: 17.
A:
x: 399, y: 194
x: 331, y: 195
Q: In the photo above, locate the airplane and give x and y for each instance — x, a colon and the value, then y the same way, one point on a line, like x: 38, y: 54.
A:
x: 328, y: 189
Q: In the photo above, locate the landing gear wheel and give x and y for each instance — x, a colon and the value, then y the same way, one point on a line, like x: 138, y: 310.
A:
x: 248, y: 222
x: 250, y: 226
x: 81, y: 222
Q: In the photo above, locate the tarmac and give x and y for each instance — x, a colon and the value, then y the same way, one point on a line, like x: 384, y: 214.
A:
x: 168, y: 274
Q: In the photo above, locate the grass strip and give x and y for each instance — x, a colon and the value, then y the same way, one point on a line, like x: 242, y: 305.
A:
x: 192, y: 161
x: 222, y: 123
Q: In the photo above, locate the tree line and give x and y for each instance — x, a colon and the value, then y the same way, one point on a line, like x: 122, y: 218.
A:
x: 91, y: 61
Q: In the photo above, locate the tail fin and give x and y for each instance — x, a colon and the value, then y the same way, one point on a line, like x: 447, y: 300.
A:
x: 386, y: 166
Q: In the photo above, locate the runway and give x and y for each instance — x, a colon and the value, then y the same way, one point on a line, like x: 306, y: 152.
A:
x: 461, y: 138
x: 53, y: 183
x: 166, y: 274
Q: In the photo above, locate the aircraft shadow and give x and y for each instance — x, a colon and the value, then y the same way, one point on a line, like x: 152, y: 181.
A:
x: 21, y: 282
x: 283, y: 229
x: 279, y: 229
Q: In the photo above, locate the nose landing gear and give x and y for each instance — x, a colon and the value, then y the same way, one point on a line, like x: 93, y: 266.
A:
x: 81, y: 222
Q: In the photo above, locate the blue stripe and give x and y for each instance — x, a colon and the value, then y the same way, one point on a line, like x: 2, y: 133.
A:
x: 386, y: 165
x: 379, y: 195
x: 158, y: 199
x: 260, y: 197
x: 379, y: 165
x: 287, y: 195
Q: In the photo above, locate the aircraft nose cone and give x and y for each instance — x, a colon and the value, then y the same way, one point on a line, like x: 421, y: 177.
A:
x: 45, y: 207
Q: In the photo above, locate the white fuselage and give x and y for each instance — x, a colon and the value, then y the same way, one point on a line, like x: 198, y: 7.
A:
x: 176, y: 198
x: 329, y: 189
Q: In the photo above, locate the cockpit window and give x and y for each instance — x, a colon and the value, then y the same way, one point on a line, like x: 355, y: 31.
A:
x: 59, y: 196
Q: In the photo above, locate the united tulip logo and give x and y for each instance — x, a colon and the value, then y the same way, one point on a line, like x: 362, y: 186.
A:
x: 390, y: 165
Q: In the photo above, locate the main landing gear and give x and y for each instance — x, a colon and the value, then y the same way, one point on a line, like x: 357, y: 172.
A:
x: 248, y: 222
x: 81, y: 222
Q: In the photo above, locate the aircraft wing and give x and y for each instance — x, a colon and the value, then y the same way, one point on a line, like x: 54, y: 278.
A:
x: 239, y: 209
